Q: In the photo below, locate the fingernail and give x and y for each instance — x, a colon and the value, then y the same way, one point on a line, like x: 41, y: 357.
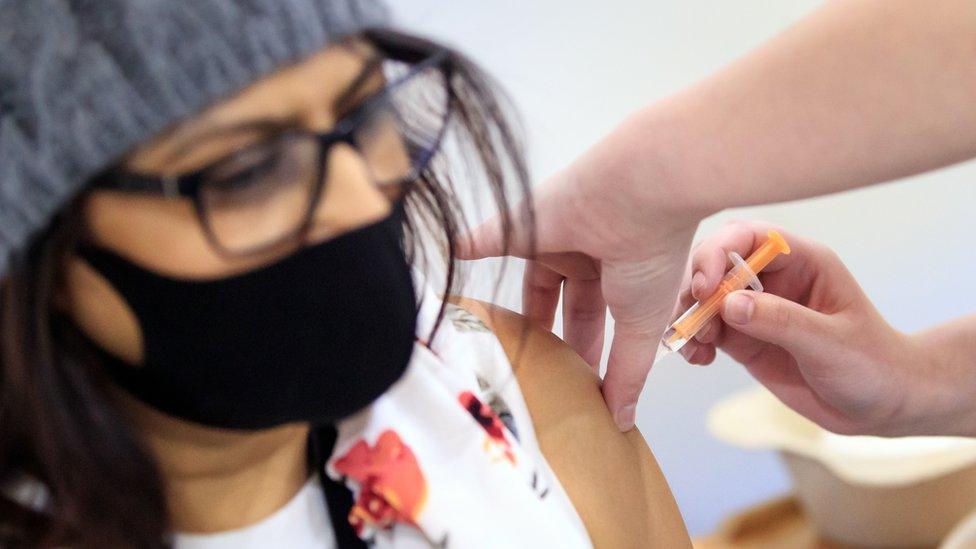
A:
x: 625, y: 417
x: 697, y: 284
x: 739, y: 308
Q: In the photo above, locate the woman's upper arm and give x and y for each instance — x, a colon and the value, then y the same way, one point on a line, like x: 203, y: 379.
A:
x: 611, y: 477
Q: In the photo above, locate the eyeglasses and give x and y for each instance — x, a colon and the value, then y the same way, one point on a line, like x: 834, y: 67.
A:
x: 265, y: 195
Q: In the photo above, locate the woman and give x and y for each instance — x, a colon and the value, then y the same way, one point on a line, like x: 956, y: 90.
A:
x: 216, y: 340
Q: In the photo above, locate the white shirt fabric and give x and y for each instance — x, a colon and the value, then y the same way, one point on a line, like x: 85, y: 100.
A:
x: 447, y: 456
x: 303, y: 523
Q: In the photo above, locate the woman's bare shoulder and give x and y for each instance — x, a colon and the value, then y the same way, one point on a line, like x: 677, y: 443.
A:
x: 611, y: 477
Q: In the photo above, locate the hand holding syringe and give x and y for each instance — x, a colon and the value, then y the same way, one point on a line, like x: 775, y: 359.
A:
x: 816, y: 341
x: 743, y: 274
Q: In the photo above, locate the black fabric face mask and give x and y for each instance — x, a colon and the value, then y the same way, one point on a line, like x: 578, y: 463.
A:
x: 313, y: 337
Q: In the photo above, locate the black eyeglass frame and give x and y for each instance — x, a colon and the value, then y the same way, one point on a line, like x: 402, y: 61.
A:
x: 188, y: 185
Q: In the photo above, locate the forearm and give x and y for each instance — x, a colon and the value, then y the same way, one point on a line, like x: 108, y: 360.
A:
x: 942, y: 385
x: 857, y: 93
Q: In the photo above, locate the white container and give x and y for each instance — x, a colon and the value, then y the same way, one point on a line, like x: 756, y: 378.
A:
x: 963, y: 536
x: 865, y: 491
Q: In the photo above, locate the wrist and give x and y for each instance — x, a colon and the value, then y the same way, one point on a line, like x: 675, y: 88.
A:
x: 938, y: 393
x: 650, y: 162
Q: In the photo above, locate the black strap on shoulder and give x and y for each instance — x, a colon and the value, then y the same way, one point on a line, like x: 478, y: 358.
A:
x: 321, y: 439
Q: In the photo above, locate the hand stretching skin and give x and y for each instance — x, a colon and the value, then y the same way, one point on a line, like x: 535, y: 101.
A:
x: 857, y: 93
x: 612, y: 256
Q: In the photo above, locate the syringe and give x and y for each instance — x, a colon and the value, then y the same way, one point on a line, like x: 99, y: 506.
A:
x: 743, y: 274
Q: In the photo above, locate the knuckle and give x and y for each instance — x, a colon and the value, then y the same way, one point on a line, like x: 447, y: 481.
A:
x: 832, y: 256
x: 637, y: 330
x: 707, y: 255
x: 783, y: 316
x: 586, y: 314
x: 698, y: 259
x: 536, y: 288
x: 626, y: 386
x: 824, y: 253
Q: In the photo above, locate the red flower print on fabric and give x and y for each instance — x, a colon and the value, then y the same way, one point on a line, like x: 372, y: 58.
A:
x: 392, y: 487
x: 496, y: 441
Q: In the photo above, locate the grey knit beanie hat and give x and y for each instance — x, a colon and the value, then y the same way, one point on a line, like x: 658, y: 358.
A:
x: 84, y: 81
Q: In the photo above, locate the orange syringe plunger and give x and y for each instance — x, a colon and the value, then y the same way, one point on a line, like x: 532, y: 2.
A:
x: 743, y: 274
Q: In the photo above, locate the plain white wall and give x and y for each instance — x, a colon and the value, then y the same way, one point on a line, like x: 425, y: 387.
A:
x: 575, y: 69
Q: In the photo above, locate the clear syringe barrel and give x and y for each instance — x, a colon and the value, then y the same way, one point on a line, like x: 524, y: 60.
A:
x: 743, y: 274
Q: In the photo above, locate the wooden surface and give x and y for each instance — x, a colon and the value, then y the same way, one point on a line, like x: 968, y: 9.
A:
x: 778, y: 524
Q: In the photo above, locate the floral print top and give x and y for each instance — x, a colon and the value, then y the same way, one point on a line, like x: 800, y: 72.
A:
x: 447, y: 457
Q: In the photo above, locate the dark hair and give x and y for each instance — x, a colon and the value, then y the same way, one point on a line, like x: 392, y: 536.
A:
x: 57, y: 425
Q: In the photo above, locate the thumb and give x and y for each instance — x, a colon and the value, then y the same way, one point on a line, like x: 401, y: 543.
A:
x: 631, y: 357
x: 507, y: 233
x: 485, y: 240
x: 543, y: 218
x: 776, y: 320
x: 639, y: 319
